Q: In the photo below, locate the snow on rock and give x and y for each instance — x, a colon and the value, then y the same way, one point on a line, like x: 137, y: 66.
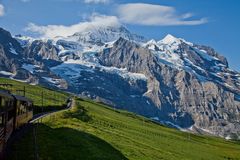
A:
x: 205, y: 55
x: 190, y: 70
x: 73, y: 69
x: 166, y: 51
x: 228, y: 137
x: 228, y: 86
x: 65, y: 44
x: 24, y: 40
x: 104, y: 34
x: 216, y: 75
x: 13, y: 51
x: 155, y: 118
x: 206, y: 130
x: 51, y: 80
x: 6, y: 73
x: 29, y: 67
x: 68, y: 70
x: 169, y: 58
x: 191, y: 128
x: 172, y: 125
x: 24, y: 81
x: 88, y: 61
x: 190, y: 63
x: 124, y: 73
x: 148, y: 102
x: 152, y: 41
x: 169, y: 39
x: 150, y: 44
x: 168, y: 55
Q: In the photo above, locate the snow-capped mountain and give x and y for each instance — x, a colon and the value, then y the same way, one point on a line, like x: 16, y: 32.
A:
x: 201, y: 61
x: 101, y: 35
x: 171, y: 80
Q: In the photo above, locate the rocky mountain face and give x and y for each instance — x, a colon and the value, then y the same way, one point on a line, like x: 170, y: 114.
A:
x: 172, y: 81
x: 189, y: 88
x: 9, y: 50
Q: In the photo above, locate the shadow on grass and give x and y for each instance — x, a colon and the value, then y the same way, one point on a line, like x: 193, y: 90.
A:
x: 63, y: 144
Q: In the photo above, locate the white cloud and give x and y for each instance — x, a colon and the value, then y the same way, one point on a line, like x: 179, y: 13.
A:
x: 97, y: 1
x: 155, y: 15
x: 132, y: 13
x: 1, y: 10
x: 85, y: 1
x: 25, y: 0
x: 51, y: 31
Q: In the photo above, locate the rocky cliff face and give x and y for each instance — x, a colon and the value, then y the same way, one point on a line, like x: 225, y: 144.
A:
x: 28, y: 60
x: 185, y: 96
x: 173, y: 81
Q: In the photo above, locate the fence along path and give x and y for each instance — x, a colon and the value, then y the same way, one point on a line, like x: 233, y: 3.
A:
x: 38, y: 119
x: 33, y: 125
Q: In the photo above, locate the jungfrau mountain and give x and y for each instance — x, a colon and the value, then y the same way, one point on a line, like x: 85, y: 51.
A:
x: 172, y: 81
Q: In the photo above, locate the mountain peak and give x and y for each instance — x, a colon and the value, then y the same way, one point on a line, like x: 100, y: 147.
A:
x: 152, y: 41
x: 169, y: 36
x: 105, y: 34
x: 169, y: 39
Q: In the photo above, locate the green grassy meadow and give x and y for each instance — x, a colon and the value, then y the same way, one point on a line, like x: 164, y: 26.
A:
x: 52, y: 100
x: 92, y: 131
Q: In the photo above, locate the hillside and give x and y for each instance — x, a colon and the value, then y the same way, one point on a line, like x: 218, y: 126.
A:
x: 44, y: 99
x: 171, y: 79
x: 95, y: 131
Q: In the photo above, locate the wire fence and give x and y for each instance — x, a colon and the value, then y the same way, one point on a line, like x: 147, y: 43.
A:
x: 43, y: 100
x: 36, y: 127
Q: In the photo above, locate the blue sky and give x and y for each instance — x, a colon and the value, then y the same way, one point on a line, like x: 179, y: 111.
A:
x: 214, y: 23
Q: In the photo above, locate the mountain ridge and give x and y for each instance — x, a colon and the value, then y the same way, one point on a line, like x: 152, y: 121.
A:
x: 172, y: 80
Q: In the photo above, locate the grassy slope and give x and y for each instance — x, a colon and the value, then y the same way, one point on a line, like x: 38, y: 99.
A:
x: 94, y: 131
x: 51, y: 99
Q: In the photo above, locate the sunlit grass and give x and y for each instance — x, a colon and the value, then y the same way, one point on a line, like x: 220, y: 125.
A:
x: 42, y: 97
x: 94, y: 131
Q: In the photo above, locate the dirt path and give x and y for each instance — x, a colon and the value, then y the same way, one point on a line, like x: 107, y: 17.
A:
x: 42, y: 115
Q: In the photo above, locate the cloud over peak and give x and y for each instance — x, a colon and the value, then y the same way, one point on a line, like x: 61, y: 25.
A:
x: 51, y: 31
x: 131, y: 13
x: 155, y: 15
x: 1, y: 10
